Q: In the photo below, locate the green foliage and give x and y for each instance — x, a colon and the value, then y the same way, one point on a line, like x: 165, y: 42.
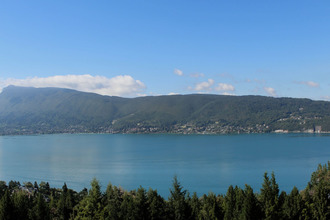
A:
x: 3, y: 188
x: 127, y: 207
x: 113, y: 202
x: 141, y: 204
x: 293, y: 205
x: 12, y: 185
x: 195, y: 206
x: 178, y: 206
x: 91, y: 207
x: 269, y: 197
x: 157, y: 207
x: 6, y: 207
x: 251, y: 209
x: 116, y: 203
x: 66, y: 203
x: 22, y: 203
x: 40, y: 210
x: 210, y: 207
x: 230, y: 203
x: 317, y: 193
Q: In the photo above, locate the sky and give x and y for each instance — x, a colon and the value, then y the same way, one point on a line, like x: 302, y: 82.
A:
x: 162, y: 47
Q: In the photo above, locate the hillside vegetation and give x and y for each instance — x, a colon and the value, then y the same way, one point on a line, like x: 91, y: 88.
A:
x: 54, y: 110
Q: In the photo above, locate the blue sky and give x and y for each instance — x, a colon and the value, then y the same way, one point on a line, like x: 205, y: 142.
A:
x: 135, y: 48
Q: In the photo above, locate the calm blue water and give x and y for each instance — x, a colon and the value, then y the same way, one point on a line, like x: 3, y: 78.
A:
x: 202, y: 163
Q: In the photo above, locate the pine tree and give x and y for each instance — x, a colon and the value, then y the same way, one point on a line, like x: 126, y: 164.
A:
x: 251, y: 209
x: 113, y: 200
x: 90, y: 207
x: 317, y: 194
x: 210, y: 209
x: 40, y: 211
x: 13, y: 185
x: 269, y: 197
x: 65, y: 203
x: 195, y: 206
x: 3, y: 188
x: 141, y: 204
x: 230, y: 203
x: 156, y: 206
x: 127, y: 207
x: 321, y: 201
x: 177, y: 201
x: 6, y: 206
x: 239, y: 201
x: 293, y: 205
x: 21, y: 203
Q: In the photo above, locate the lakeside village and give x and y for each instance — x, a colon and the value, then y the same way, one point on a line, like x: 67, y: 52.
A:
x: 213, y: 129
x: 291, y: 124
x: 140, y: 128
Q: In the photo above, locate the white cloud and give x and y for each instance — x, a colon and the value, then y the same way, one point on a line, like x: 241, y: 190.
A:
x: 327, y: 98
x: 173, y: 93
x: 309, y: 83
x: 270, y: 91
x: 196, y: 75
x: 178, y: 72
x: 224, y: 87
x: 204, y: 86
x: 227, y: 93
x: 122, y: 85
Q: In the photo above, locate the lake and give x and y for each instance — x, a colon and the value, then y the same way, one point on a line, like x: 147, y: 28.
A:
x: 203, y: 163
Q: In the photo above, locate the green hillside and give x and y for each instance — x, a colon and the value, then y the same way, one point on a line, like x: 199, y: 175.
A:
x: 53, y: 110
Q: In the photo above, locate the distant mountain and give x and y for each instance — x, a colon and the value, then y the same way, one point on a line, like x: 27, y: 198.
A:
x: 54, y: 110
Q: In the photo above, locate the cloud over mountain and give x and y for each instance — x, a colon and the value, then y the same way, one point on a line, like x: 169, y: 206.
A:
x: 122, y: 85
x: 204, y: 86
x: 270, y: 91
x: 224, y: 87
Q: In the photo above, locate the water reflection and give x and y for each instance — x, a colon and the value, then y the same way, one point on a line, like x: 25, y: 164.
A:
x: 202, y: 163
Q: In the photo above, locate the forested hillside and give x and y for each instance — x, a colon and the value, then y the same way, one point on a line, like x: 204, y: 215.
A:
x: 53, y: 110
x: 40, y: 201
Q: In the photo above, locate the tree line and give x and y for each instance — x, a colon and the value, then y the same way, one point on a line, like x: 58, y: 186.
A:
x: 40, y: 201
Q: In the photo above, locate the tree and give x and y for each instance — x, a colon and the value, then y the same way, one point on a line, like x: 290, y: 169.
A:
x: 317, y: 193
x: 177, y: 201
x: 21, y: 204
x: 127, y: 207
x: 239, y: 201
x: 90, y: 207
x: 230, y: 203
x: 12, y: 185
x: 293, y: 205
x: 6, y: 206
x: 113, y: 202
x: 269, y: 197
x: 44, y: 188
x: 251, y: 209
x: 3, y: 188
x: 321, y: 201
x: 156, y: 205
x: 65, y: 203
x: 35, y: 185
x: 195, y: 206
x: 40, y: 211
x: 141, y: 204
x: 210, y: 209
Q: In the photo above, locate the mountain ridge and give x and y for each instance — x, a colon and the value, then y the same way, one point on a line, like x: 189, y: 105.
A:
x: 28, y: 110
